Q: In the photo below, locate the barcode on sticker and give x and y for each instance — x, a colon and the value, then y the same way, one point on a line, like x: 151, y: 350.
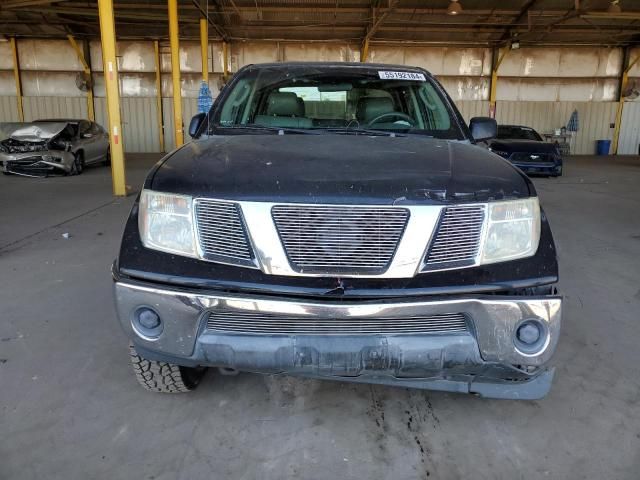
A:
x: 401, y: 76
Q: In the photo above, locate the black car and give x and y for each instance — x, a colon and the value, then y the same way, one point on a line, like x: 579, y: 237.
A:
x: 524, y: 147
x: 336, y: 221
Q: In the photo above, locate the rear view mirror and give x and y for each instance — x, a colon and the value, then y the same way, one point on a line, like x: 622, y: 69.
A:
x: 196, y: 123
x: 483, y: 128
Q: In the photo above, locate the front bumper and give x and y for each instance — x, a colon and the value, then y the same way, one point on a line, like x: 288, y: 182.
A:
x: 542, y: 168
x: 38, y: 163
x: 483, y: 359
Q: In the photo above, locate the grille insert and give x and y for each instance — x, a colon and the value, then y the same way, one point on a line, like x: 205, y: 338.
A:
x: 339, y: 239
x: 252, y: 322
x: 527, y: 157
x: 221, y: 232
x: 457, y: 239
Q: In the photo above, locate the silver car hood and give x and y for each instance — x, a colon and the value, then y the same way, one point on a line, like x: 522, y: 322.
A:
x: 37, y: 132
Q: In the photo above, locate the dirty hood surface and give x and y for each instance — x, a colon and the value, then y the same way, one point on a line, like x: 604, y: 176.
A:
x: 38, y: 132
x: 338, y: 169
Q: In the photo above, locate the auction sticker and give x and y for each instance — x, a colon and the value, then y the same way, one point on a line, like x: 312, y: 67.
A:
x: 401, y: 76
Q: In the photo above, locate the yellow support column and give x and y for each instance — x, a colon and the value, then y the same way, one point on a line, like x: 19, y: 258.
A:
x: 108, y: 36
x: 204, y: 49
x: 364, y: 52
x: 16, y: 75
x: 175, y: 72
x: 225, y: 60
x: 623, y: 86
x: 159, y: 109
x: 494, y: 82
x: 87, y: 71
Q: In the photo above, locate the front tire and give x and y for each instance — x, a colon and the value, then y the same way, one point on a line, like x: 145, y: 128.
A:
x: 164, y: 377
x: 78, y: 164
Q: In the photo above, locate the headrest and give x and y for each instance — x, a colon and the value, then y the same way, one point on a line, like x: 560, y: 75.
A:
x: 371, y: 107
x: 285, y: 104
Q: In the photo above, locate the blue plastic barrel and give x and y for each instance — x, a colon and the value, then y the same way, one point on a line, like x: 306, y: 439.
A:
x: 603, y: 146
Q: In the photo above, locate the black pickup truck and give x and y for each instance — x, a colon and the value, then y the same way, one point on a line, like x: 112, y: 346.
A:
x: 336, y: 221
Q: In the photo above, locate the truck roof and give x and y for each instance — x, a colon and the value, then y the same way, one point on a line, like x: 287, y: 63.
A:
x: 368, y: 66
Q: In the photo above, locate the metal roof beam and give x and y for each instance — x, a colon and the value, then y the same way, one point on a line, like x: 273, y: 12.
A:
x: 15, y: 4
x: 218, y: 28
x: 524, y: 12
x: 377, y: 22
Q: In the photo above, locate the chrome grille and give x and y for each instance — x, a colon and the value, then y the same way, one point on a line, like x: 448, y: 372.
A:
x: 457, y: 239
x: 221, y: 232
x: 339, y: 239
x: 252, y: 322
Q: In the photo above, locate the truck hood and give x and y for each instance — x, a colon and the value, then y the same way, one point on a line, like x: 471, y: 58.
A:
x: 332, y: 168
x: 527, y: 146
x: 39, y: 132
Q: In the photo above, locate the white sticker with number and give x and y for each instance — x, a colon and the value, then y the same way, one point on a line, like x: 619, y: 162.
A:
x: 401, y: 76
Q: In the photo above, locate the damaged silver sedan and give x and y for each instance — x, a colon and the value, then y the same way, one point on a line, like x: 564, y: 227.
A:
x: 53, y: 147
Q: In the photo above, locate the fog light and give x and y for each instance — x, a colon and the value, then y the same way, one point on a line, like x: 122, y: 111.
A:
x: 531, y: 337
x: 148, y: 318
x: 529, y: 333
x: 147, y: 323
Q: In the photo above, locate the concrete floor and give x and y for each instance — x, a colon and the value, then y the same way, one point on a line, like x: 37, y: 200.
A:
x: 71, y: 409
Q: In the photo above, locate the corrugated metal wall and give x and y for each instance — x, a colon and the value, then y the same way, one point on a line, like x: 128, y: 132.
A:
x: 630, y: 131
x: 139, y: 122
x: 189, y: 109
x: 595, y: 119
x: 473, y: 108
x: 54, y: 107
x: 9, y: 109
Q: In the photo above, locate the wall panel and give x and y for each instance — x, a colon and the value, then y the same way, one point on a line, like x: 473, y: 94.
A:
x: 189, y: 109
x: 54, y: 107
x: 100, y: 108
x: 630, y: 129
x: 9, y: 109
x: 473, y: 108
x: 140, y: 124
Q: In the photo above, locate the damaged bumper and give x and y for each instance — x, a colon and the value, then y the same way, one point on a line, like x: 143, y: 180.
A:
x: 466, y: 345
x: 39, y: 163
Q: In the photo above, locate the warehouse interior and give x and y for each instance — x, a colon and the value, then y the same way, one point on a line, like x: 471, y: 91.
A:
x: 69, y: 407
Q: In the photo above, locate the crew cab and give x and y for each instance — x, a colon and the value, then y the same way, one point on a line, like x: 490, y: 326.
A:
x: 337, y: 221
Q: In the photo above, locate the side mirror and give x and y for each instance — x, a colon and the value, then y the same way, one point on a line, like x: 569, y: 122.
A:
x: 483, y: 128
x: 195, y: 124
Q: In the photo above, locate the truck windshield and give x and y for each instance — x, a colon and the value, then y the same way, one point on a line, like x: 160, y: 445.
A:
x: 336, y: 99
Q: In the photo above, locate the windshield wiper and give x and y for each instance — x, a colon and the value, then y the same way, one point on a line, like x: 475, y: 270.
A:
x: 362, y: 131
x: 265, y: 128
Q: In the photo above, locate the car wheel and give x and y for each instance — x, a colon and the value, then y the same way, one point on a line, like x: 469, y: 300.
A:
x: 107, y: 158
x: 164, y: 377
x: 78, y: 164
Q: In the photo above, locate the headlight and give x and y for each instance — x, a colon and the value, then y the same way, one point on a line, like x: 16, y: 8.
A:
x: 512, y: 230
x: 165, y: 222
